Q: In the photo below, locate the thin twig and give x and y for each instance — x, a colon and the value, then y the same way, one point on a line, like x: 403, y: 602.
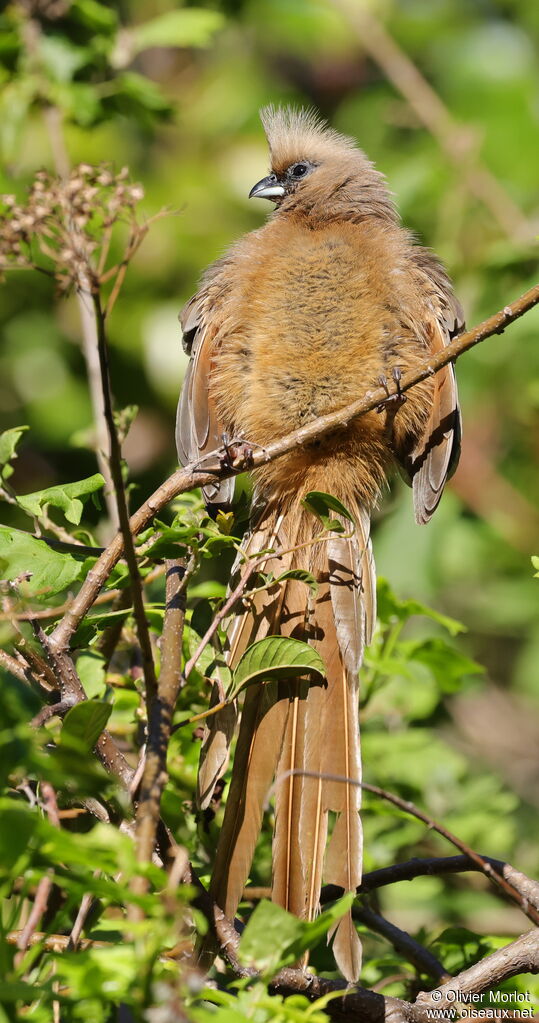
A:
x: 195, y: 475
x: 219, y: 617
x: 44, y: 614
x: 483, y: 864
x: 53, y: 121
x: 10, y: 664
x: 155, y: 776
x: 459, y: 143
x: 71, y: 688
x: 51, y: 710
x: 123, y: 514
x: 86, y: 904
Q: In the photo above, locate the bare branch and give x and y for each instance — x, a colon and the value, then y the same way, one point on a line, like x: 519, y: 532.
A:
x: 72, y: 689
x: 520, y: 956
x: 45, y: 884
x: 483, y: 864
x: 430, y: 866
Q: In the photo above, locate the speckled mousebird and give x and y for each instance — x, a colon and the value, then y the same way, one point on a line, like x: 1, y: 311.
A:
x: 298, y: 319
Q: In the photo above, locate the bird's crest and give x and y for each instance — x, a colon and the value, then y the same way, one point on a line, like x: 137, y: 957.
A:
x: 296, y: 134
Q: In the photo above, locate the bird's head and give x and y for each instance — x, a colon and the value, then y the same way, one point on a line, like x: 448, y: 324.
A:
x: 315, y: 171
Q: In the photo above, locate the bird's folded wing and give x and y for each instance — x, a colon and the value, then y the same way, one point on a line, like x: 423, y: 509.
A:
x: 431, y: 462
x: 198, y: 430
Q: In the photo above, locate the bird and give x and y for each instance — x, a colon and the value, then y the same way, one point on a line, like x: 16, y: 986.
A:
x: 297, y: 319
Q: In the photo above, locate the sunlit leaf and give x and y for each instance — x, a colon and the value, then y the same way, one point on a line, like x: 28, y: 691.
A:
x: 322, y: 505
x: 276, y: 657
x: 70, y: 498
x: 8, y: 449
x: 391, y: 608
x: 274, y: 938
x: 46, y: 571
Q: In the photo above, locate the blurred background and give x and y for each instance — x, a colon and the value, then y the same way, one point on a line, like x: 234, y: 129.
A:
x: 444, y: 96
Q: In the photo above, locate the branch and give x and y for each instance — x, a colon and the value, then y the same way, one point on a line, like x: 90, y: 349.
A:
x: 123, y: 514
x: 9, y: 663
x: 220, y: 616
x: 155, y: 775
x: 520, y: 956
x: 457, y: 142
x: 72, y: 689
x: 483, y: 864
x: 198, y: 474
x: 412, y: 950
x: 53, y: 121
x: 430, y: 866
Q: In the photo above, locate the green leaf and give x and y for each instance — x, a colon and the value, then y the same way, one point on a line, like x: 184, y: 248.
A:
x: 321, y: 505
x: 49, y: 571
x: 460, y: 948
x: 91, y: 670
x: 95, y: 16
x: 176, y: 28
x: 302, y: 575
x: 84, y: 723
x: 275, y: 657
x: 69, y: 497
x: 448, y: 665
x: 535, y: 563
x: 274, y: 938
x: 61, y: 58
x: 8, y: 445
x: 18, y: 823
x: 390, y: 608
x: 133, y: 93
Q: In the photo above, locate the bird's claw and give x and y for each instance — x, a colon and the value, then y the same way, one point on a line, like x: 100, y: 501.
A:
x: 393, y: 401
x: 237, y: 453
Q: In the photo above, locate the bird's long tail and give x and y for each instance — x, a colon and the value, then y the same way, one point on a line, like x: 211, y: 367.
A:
x: 304, y: 736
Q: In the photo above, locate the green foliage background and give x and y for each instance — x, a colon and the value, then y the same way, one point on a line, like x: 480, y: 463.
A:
x: 176, y: 100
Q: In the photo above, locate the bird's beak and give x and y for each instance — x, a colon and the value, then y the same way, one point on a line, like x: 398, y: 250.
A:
x: 267, y: 188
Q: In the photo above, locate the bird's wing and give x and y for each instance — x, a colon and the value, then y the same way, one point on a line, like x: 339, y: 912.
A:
x: 433, y: 458
x: 198, y: 430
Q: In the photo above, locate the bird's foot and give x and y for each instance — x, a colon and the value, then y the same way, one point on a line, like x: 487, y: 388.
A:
x: 237, y: 453
x: 393, y: 402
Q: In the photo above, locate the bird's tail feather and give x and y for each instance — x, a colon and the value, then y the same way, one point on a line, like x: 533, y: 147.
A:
x: 311, y: 730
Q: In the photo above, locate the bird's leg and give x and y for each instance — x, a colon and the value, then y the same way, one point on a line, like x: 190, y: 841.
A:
x: 393, y: 402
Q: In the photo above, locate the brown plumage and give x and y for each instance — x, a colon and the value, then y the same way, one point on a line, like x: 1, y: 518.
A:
x: 298, y: 319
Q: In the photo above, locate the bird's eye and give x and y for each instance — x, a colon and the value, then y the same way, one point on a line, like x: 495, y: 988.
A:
x: 299, y: 169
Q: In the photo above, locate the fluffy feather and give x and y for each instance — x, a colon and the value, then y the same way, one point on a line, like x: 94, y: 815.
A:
x: 298, y: 319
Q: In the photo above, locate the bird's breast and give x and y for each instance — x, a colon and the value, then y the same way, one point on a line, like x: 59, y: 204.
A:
x: 315, y: 325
